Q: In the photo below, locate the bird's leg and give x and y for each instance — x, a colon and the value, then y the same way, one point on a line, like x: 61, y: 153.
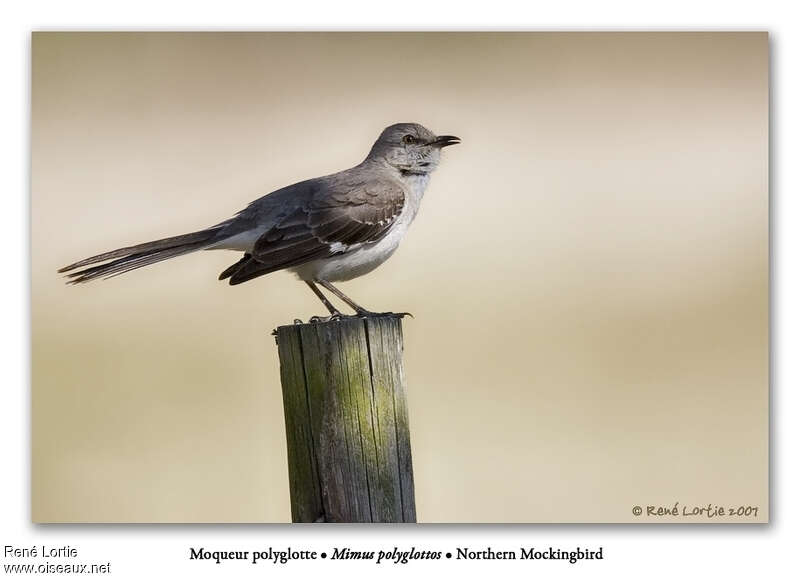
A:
x: 335, y: 314
x: 340, y: 294
x: 359, y: 310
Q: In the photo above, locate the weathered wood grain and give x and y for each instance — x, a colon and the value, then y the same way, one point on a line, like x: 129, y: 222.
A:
x: 347, y: 428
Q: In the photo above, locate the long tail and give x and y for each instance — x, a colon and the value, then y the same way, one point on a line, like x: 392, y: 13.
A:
x: 126, y: 259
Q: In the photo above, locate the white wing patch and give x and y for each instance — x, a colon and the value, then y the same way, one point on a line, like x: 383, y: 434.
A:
x: 339, y: 247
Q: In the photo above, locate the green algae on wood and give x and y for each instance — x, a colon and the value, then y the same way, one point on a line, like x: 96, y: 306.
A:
x: 346, y: 414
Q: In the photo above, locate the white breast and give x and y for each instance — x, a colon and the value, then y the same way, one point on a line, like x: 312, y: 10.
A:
x: 362, y: 259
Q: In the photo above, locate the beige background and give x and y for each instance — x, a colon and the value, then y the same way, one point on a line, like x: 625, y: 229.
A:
x: 589, y: 271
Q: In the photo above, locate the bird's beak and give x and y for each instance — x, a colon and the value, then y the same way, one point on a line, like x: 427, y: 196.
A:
x: 445, y: 141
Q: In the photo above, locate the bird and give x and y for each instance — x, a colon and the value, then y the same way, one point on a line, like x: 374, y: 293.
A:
x: 326, y: 229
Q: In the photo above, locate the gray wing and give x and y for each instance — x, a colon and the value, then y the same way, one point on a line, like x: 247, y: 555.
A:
x: 329, y: 218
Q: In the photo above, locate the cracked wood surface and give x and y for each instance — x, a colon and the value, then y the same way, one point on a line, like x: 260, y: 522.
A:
x: 346, y: 415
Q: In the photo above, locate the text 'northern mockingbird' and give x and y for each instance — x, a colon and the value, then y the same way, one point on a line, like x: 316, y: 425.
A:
x: 331, y: 228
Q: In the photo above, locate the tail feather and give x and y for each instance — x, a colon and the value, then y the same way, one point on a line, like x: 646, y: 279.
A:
x: 232, y: 269
x: 126, y: 259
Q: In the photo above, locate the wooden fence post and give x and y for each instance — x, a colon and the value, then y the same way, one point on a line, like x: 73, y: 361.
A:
x: 346, y: 417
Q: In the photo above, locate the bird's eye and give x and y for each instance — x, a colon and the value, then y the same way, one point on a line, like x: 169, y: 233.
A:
x: 408, y: 139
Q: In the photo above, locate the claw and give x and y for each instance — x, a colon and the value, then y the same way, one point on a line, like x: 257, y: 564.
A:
x: 331, y: 318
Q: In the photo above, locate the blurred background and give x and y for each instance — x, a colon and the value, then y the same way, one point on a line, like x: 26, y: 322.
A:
x: 588, y: 272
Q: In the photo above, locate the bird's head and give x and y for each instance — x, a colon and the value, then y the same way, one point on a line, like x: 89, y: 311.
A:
x: 410, y: 148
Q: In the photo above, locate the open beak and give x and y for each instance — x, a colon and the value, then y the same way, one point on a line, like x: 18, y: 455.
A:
x: 445, y: 141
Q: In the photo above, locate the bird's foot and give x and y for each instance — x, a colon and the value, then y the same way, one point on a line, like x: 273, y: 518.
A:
x: 369, y: 314
x: 323, y: 319
x: 335, y: 317
x: 360, y: 314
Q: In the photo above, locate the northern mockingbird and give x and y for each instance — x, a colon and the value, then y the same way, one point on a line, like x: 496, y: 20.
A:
x: 331, y: 228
